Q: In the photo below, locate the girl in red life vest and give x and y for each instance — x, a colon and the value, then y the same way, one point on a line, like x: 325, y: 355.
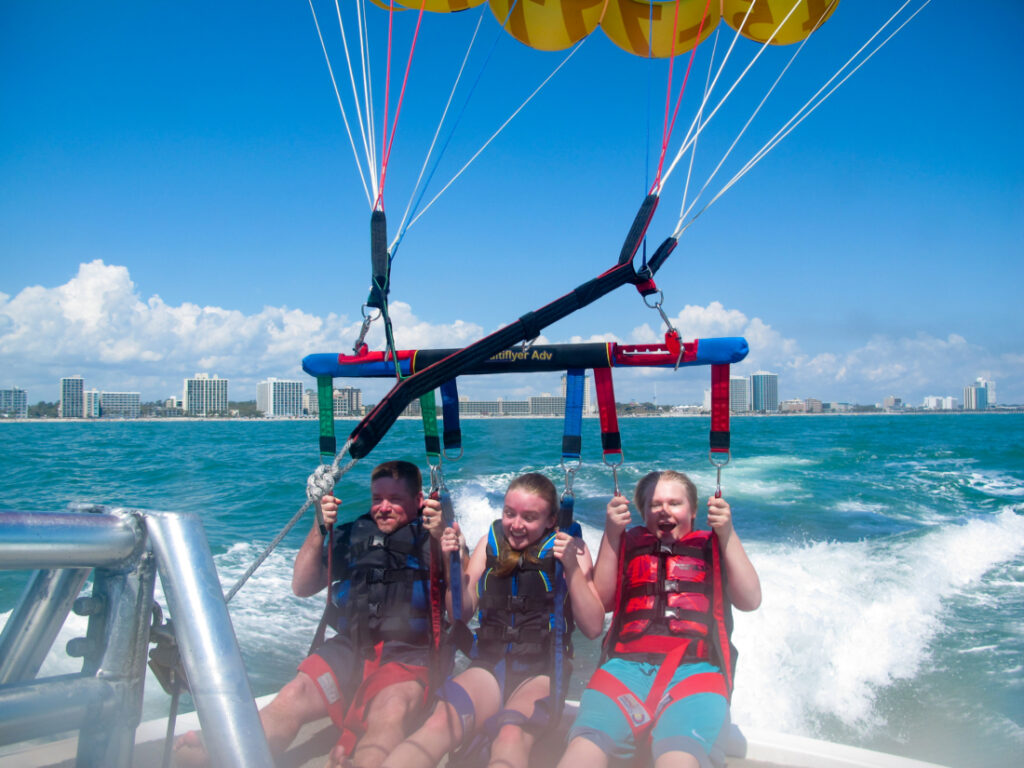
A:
x: 665, y: 683
x: 504, y: 695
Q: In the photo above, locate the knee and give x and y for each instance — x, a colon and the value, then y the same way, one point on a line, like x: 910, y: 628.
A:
x: 512, y: 736
x: 300, y: 697
x: 393, y: 707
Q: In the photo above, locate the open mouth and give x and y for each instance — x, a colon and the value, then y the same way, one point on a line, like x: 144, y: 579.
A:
x: 666, y: 527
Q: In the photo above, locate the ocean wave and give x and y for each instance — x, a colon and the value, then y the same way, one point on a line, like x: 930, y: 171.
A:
x: 841, y: 622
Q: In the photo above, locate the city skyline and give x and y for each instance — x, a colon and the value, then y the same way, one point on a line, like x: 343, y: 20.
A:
x: 204, y: 393
x: 189, y: 201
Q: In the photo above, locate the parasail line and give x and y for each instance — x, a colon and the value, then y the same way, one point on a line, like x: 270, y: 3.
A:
x: 754, y: 114
x: 379, y: 202
x: 367, y: 75
x: 668, y: 127
x: 700, y: 110
x: 804, y: 112
x: 494, y: 135
x: 341, y: 106
x: 387, y: 144
x: 743, y: 74
x: 690, y: 139
x: 421, y: 185
x: 404, y: 226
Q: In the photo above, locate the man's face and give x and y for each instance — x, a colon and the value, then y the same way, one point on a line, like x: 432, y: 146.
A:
x: 392, y: 504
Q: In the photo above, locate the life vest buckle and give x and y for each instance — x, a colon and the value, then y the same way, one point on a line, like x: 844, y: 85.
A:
x: 377, y: 541
x: 376, y: 576
x: 517, y: 603
x: 375, y: 609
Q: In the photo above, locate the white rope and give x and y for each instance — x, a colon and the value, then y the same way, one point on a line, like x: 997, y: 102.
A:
x: 511, y: 117
x: 696, y: 126
x: 808, y: 108
x: 437, y: 133
x: 684, y: 213
x: 341, y: 105
x: 318, y: 484
x: 704, y: 101
x: 364, y: 54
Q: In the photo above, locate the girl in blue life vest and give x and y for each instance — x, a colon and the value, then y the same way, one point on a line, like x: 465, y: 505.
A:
x: 504, y: 694
x: 667, y: 676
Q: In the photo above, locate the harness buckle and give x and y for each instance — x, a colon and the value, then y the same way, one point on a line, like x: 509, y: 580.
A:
x: 517, y: 603
x: 376, y: 576
x: 375, y: 609
x: 512, y: 634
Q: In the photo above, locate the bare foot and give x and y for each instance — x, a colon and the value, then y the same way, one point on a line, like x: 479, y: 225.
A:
x: 189, y: 751
x: 338, y: 758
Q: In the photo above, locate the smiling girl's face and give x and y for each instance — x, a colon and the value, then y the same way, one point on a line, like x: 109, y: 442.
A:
x: 525, y: 517
x: 670, y: 515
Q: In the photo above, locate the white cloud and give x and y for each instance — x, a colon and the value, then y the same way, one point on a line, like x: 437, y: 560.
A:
x: 98, y: 325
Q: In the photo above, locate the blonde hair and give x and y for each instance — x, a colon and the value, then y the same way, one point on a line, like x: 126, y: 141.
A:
x: 645, y: 489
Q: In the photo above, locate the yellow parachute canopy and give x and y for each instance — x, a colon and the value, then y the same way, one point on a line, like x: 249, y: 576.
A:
x: 643, y: 27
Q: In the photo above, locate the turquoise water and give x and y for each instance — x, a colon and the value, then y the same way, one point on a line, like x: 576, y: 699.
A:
x: 891, y: 549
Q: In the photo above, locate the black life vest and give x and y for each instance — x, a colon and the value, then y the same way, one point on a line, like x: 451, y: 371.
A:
x: 516, y: 611
x: 379, y: 589
x: 671, y: 595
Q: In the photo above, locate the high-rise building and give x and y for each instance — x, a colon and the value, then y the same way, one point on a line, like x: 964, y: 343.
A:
x: 310, y: 403
x: 205, y: 395
x: 72, y: 398
x: 120, y: 405
x: 764, y: 392
x: 990, y: 390
x: 739, y: 394
x: 975, y: 397
x: 348, y: 401
x: 91, y: 403
x: 14, y: 403
x: 276, y: 398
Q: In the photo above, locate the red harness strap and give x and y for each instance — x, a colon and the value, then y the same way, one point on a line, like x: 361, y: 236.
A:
x: 642, y: 715
x: 351, y: 719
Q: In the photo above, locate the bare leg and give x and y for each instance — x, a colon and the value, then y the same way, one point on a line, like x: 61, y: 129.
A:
x: 583, y: 752
x: 677, y: 760
x: 297, y: 703
x: 385, y: 726
x: 443, y: 729
x: 511, y: 747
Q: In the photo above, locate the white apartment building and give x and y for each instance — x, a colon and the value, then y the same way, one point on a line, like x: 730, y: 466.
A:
x: 739, y: 394
x: 120, y: 405
x: 14, y: 403
x: 205, y: 395
x: 72, y: 398
x: 275, y: 398
x: 764, y: 392
x: 348, y: 401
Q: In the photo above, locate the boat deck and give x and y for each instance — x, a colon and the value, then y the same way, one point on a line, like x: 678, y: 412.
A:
x: 309, y: 751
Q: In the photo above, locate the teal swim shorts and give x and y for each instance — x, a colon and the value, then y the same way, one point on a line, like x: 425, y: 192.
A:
x: 693, y: 724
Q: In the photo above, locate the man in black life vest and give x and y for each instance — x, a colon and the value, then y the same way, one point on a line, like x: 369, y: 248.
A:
x: 371, y: 677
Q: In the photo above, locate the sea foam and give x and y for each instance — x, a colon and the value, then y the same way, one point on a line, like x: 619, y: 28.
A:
x: 841, y: 622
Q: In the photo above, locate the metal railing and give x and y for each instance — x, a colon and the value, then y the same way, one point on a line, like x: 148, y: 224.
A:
x: 125, y: 550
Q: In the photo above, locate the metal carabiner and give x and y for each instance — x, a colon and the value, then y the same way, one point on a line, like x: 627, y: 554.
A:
x: 615, y: 471
x: 367, y: 319
x: 718, y: 471
x: 570, y: 476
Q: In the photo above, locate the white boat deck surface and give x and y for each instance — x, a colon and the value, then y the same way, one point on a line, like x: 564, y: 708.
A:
x: 748, y: 748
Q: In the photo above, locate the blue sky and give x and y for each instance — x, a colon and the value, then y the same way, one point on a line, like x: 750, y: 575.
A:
x: 179, y: 195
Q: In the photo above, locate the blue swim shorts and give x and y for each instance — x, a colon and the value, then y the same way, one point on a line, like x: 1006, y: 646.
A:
x: 693, y: 724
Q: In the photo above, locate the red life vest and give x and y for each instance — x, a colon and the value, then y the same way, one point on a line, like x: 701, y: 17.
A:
x: 671, y: 601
